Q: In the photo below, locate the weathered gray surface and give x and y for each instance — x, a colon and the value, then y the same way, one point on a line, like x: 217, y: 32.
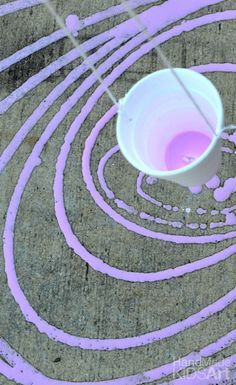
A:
x: 62, y: 289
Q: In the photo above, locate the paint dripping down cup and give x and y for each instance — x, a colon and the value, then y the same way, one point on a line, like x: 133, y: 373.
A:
x: 161, y: 133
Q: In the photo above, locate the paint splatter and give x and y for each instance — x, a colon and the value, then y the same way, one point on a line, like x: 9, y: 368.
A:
x: 221, y: 194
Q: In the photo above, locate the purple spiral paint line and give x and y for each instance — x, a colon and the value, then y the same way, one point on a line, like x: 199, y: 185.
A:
x: 30, y: 375
x: 101, y: 167
x: 37, y: 162
x: 17, y: 140
x: 230, y: 137
x: 20, y: 366
x: 221, y: 194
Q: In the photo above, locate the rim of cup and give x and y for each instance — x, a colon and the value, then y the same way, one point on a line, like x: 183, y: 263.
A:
x: 219, y: 113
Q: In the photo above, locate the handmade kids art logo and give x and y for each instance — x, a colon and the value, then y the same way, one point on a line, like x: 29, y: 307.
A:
x: 202, y: 369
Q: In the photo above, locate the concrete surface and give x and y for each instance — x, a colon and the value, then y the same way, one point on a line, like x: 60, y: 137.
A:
x: 62, y: 288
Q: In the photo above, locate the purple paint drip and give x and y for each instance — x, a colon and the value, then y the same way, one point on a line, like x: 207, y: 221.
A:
x: 151, y: 180
x: 213, y: 182
x: 143, y: 194
x: 223, y: 193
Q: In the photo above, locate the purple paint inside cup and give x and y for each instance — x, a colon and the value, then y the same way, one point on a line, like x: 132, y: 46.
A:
x: 185, y: 148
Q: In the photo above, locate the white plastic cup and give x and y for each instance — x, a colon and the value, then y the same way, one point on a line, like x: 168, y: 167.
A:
x: 156, y: 110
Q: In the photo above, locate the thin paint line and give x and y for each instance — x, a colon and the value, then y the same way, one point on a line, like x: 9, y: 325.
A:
x: 18, y: 5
